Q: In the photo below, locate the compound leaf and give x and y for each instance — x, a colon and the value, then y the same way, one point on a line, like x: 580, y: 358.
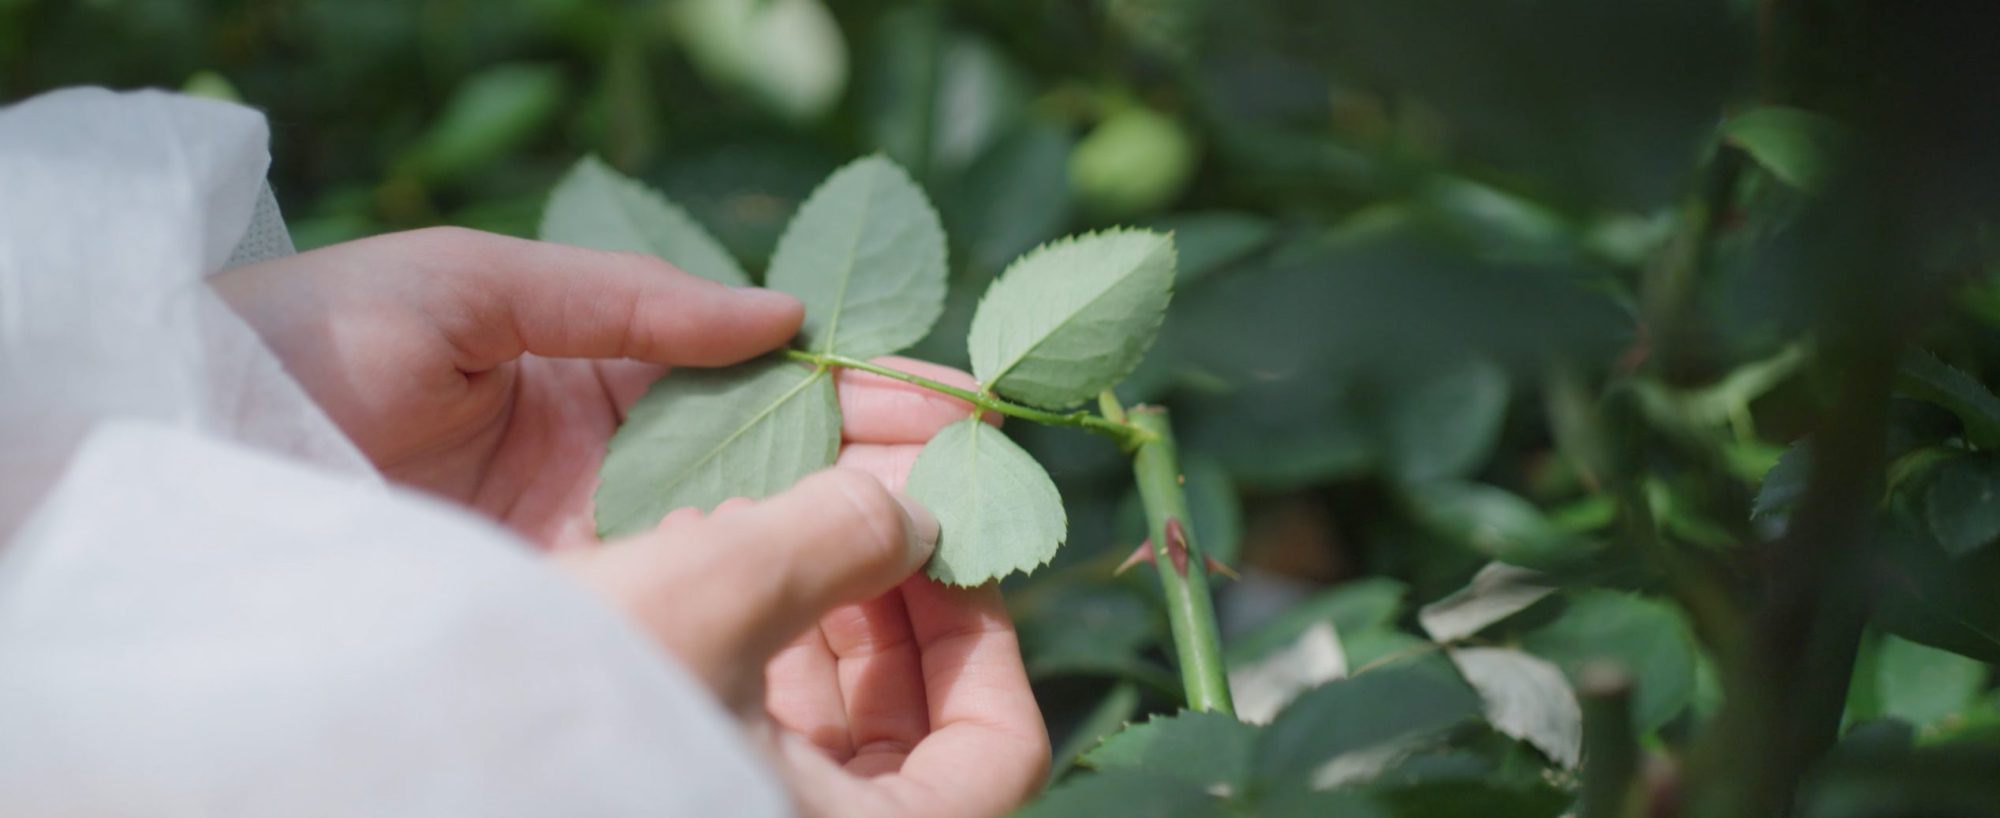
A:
x: 866, y: 254
x: 702, y: 436
x: 997, y: 509
x: 596, y: 207
x: 1072, y: 318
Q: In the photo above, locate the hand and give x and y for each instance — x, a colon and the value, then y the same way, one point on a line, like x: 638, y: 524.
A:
x: 492, y: 370
x: 892, y: 695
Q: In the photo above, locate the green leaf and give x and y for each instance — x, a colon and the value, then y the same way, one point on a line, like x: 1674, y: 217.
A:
x: 597, y: 207
x: 1960, y: 503
x: 998, y: 511
x: 1648, y: 637
x: 787, y: 54
x: 1070, y: 319
x: 866, y: 255
x: 1126, y: 792
x: 490, y: 114
x: 1108, y: 716
x: 1527, y: 698
x: 1361, y: 712
x: 1799, y: 147
x: 1926, y: 378
x: 1785, y: 483
x: 1494, y: 522
x: 1444, y: 423
x: 1498, y: 591
x: 1923, y: 685
x: 702, y: 436
x: 1209, y: 750
x: 1264, y: 685
x: 1929, y: 596
x: 1354, y: 608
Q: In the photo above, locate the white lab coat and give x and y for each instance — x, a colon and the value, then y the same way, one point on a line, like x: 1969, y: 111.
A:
x: 209, y: 604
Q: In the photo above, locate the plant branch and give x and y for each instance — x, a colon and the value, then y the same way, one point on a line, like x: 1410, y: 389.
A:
x: 1610, y: 750
x: 1183, y: 577
x: 1127, y: 435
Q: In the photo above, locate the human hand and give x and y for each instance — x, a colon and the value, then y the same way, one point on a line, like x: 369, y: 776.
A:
x: 492, y: 370
x: 892, y: 695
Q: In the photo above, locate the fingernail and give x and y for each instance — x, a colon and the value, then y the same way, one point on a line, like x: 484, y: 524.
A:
x: 923, y: 526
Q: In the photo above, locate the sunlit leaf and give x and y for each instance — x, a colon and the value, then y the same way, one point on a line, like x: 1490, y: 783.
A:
x: 1527, y: 698
x: 1498, y: 591
x: 866, y: 254
x: 702, y: 436
x: 997, y: 508
x: 788, y: 54
x: 596, y: 207
x: 1070, y: 319
x: 1264, y: 685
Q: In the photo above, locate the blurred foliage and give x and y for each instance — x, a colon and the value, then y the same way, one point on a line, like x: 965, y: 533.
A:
x: 1614, y: 291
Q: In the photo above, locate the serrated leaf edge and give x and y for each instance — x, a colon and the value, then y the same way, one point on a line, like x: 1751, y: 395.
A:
x: 923, y: 198
x: 1173, y: 259
x: 657, y: 197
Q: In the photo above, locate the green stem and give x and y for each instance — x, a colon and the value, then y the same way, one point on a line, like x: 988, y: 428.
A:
x: 1127, y: 435
x: 1190, y: 611
x: 1610, y: 750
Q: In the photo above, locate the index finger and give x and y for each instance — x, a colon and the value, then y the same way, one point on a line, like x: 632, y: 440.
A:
x: 879, y: 409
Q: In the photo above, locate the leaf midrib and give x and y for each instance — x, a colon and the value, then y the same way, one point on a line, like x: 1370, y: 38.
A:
x: 853, y: 253
x: 1029, y: 350
x: 761, y: 415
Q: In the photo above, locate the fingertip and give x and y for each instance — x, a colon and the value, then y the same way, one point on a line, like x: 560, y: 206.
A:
x: 923, y: 526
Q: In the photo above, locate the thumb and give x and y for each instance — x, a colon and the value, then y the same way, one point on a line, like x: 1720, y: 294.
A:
x: 725, y: 592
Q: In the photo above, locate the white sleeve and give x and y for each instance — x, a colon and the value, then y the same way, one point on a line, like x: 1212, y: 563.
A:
x: 208, y: 605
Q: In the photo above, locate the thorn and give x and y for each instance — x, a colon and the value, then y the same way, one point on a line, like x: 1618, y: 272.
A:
x: 1177, y: 545
x: 1144, y: 553
x: 1215, y: 567
x: 1180, y: 479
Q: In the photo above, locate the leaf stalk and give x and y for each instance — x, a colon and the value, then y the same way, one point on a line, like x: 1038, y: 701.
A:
x: 1128, y: 435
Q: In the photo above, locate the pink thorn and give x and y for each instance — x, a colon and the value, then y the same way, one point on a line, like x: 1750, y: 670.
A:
x: 1144, y: 553
x: 1177, y: 545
